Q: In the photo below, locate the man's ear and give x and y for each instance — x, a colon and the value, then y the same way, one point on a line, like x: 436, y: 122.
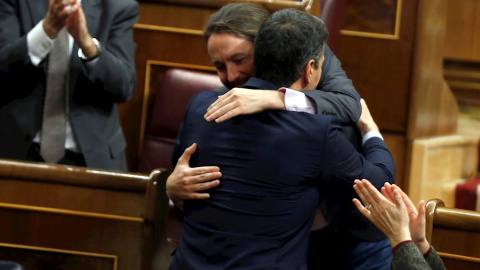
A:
x: 308, y: 71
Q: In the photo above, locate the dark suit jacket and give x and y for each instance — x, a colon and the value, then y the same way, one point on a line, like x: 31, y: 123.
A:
x: 338, y: 97
x: 92, y: 95
x: 261, y: 214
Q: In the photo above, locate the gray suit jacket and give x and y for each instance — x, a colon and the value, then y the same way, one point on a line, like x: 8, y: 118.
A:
x: 409, y: 257
x: 92, y: 95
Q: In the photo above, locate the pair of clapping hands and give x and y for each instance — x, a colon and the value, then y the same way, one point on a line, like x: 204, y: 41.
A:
x: 392, y: 211
x: 69, y: 14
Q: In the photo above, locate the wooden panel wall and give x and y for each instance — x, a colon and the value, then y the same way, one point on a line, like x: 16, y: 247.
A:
x: 67, y: 217
x: 393, y: 53
x: 455, y: 234
x: 463, y: 30
x: 462, y: 51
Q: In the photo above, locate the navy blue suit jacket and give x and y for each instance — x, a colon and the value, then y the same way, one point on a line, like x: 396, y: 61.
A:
x: 272, y: 162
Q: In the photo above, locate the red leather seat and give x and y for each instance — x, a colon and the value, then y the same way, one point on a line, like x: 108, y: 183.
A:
x: 333, y: 14
x: 175, y: 90
x: 467, y: 194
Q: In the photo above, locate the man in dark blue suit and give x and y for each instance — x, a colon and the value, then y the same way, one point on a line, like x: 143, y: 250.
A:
x: 274, y: 163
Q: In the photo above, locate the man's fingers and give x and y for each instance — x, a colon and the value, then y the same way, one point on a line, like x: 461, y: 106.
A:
x: 201, y: 170
x: 219, y: 100
x: 221, y: 109
x: 218, y: 103
x: 193, y: 190
x: 197, y: 196
x: 227, y: 115
x: 218, y: 112
x: 207, y: 185
x: 184, y: 159
x: 65, y: 6
x: 73, y: 8
x: 200, y: 178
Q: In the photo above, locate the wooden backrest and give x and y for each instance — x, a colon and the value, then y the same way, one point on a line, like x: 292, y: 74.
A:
x: 455, y: 234
x: 66, y: 217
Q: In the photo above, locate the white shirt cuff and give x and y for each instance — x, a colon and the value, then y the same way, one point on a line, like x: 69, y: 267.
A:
x: 371, y: 134
x: 39, y: 44
x: 297, y: 101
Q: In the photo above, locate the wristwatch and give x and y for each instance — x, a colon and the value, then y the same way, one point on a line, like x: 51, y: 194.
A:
x: 88, y: 59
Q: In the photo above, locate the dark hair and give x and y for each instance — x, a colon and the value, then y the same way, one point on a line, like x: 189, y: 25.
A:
x: 240, y: 19
x: 285, y: 43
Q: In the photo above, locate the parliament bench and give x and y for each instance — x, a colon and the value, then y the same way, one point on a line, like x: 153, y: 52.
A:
x: 455, y: 234
x: 67, y: 217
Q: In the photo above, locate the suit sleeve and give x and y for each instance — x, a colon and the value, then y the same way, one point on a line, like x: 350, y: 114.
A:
x: 115, y: 69
x: 343, y: 161
x: 337, y: 96
x: 409, y: 257
x: 435, y: 261
x: 13, y: 43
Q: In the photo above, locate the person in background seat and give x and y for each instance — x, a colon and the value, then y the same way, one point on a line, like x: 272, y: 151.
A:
x: 393, y: 213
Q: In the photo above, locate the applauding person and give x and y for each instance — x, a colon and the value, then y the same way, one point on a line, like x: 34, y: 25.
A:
x: 394, y: 214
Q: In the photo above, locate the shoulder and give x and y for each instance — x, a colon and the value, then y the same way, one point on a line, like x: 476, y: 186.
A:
x: 204, y: 98
x: 329, y: 56
x: 221, y: 90
x: 206, y: 95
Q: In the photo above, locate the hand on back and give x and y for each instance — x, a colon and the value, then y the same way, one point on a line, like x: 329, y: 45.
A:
x: 240, y: 101
x: 186, y: 182
x: 366, y: 123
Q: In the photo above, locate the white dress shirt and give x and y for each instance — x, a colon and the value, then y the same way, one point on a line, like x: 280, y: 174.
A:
x: 39, y: 46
